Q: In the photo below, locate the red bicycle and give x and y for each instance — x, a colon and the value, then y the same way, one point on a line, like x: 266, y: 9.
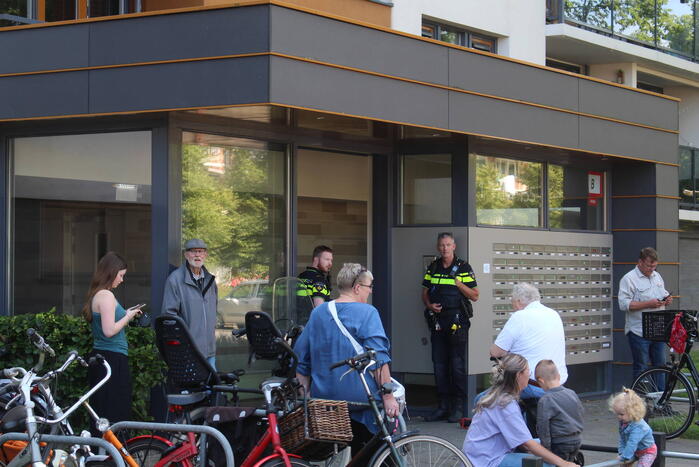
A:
x: 279, y: 394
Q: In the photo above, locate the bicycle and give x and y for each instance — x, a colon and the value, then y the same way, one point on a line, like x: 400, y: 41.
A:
x: 27, y: 417
x: 278, y: 393
x: 405, y: 449
x: 30, y: 391
x: 669, y: 395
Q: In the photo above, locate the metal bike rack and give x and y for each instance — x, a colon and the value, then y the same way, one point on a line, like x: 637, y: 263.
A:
x: 69, y: 440
x: 180, y: 428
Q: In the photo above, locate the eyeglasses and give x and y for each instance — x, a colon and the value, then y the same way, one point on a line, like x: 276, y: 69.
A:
x: 371, y: 286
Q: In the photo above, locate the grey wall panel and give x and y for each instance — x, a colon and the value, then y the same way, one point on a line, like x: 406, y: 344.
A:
x: 616, y: 138
x: 626, y: 213
x: 304, y: 35
x: 48, y: 48
x: 666, y: 210
x: 323, y: 88
x: 633, y: 178
x: 411, y: 248
x: 507, y: 79
x: 628, y: 244
x: 487, y: 116
x: 43, y: 95
x: 667, y: 179
x: 178, y: 85
x: 668, y: 249
x: 689, y: 272
x: 198, y: 34
x: 632, y: 106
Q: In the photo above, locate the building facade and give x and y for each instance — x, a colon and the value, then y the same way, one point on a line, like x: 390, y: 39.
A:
x: 267, y: 128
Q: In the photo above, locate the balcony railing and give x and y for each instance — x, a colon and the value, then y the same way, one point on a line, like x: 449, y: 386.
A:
x: 666, y: 25
x: 15, y: 12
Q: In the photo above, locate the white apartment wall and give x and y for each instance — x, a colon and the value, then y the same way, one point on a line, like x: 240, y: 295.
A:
x: 610, y: 72
x: 519, y: 25
x: 689, y: 114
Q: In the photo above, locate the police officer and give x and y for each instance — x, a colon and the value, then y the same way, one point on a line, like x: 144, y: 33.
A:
x: 315, y: 280
x: 448, y: 288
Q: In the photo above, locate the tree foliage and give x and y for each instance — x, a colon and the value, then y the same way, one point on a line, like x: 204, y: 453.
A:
x: 65, y: 333
x: 232, y: 199
x: 638, y: 20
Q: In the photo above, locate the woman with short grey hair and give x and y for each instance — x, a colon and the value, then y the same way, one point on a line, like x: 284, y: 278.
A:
x: 323, y: 343
x: 351, y: 274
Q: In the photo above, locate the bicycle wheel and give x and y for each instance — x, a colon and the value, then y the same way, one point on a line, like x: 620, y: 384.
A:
x: 277, y: 462
x: 670, y: 400
x: 148, y: 451
x: 420, y: 451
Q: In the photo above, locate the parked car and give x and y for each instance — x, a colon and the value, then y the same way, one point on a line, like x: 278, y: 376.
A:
x: 244, y: 297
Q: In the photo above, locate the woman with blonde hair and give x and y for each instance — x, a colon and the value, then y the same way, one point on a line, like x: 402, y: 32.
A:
x: 108, y: 319
x: 322, y: 343
x: 498, y: 427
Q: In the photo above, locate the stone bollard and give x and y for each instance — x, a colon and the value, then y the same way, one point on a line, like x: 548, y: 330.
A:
x: 660, y: 442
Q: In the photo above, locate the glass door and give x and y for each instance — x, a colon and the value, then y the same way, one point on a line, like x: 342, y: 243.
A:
x: 333, y: 207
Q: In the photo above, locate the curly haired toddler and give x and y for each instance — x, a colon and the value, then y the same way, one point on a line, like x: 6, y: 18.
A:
x: 635, y: 436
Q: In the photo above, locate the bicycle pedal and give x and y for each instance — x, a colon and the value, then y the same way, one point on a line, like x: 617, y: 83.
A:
x: 465, y: 422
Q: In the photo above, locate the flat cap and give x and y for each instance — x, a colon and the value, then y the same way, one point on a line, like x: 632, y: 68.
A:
x: 195, y: 243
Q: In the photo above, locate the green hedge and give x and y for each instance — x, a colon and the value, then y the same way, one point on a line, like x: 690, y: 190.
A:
x: 65, y: 333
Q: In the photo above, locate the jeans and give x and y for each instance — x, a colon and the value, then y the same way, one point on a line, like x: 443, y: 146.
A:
x: 449, y: 362
x: 643, y: 351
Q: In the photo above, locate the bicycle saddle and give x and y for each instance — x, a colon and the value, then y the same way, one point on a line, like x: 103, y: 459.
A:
x: 186, y: 399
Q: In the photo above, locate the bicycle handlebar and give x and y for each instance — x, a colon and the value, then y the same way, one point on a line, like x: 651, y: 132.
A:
x: 39, y: 342
x: 357, y: 361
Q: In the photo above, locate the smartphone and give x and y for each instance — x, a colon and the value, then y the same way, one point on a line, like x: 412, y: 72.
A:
x: 668, y: 296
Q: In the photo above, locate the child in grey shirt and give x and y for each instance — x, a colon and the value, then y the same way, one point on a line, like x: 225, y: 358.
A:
x: 559, y: 416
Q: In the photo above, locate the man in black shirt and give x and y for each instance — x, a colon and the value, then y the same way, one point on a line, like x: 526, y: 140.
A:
x: 315, y: 280
x: 448, y: 288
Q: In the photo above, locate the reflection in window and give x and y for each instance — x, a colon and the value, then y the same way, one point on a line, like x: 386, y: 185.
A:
x: 688, y: 177
x: 508, y: 192
x: 426, y: 189
x: 75, y: 198
x: 570, y: 207
x: 233, y: 198
x: 461, y: 37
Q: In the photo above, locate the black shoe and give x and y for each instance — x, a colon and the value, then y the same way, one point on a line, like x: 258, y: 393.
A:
x: 440, y: 414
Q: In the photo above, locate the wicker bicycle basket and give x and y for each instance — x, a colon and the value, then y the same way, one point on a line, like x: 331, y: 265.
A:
x: 655, y: 324
x: 313, y: 429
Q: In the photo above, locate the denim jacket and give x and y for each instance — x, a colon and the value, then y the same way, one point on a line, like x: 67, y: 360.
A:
x: 634, y: 436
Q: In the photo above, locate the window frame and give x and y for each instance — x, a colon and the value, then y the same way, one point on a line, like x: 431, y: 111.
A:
x: 465, y: 36
x: 544, y: 195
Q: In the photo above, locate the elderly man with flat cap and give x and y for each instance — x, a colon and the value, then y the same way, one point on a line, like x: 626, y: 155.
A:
x: 192, y: 294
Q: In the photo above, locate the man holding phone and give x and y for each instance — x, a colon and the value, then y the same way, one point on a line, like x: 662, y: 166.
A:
x: 643, y: 289
x: 192, y: 294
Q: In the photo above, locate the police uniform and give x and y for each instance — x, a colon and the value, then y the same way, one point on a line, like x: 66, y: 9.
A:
x: 450, y: 331
x: 314, y: 283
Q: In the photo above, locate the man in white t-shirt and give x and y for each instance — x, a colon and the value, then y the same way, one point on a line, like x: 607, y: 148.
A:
x: 535, y: 332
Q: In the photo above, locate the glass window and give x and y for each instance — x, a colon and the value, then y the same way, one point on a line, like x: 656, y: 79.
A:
x: 75, y: 198
x: 687, y: 177
x: 426, y: 189
x: 233, y: 197
x: 16, y: 8
x: 485, y: 43
x: 570, y: 205
x: 508, y: 192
